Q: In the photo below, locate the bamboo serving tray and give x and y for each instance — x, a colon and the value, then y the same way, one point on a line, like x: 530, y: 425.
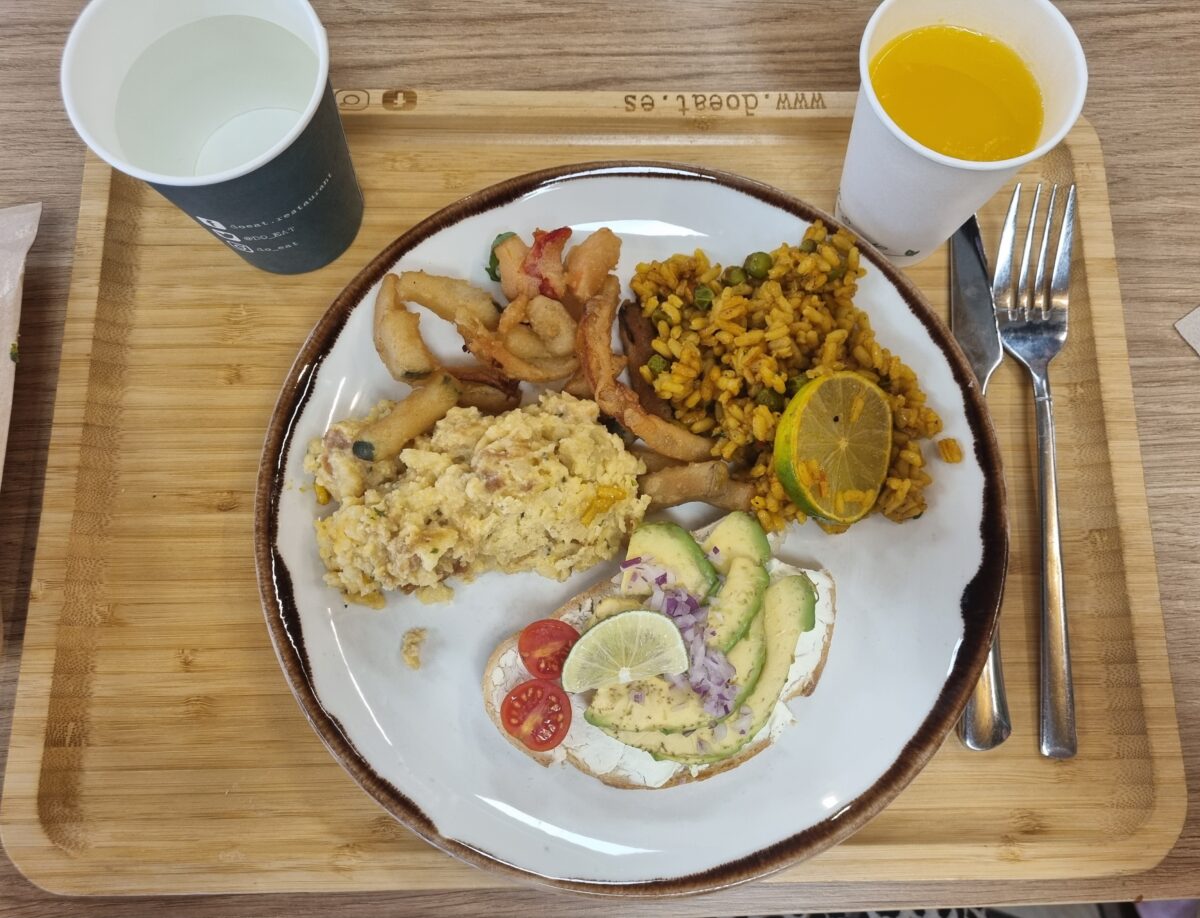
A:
x: 156, y: 747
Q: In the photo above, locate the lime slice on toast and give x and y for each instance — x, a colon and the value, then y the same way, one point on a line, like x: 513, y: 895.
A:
x: 630, y: 645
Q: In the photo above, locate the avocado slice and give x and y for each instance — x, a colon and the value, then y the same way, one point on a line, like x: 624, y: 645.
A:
x: 662, y: 707
x: 788, y: 607
x: 798, y: 592
x: 672, y: 547
x: 738, y: 535
x: 738, y: 602
x: 670, y: 710
x: 611, y: 605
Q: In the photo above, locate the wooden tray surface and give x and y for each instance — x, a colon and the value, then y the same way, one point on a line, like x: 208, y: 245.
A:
x: 156, y: 747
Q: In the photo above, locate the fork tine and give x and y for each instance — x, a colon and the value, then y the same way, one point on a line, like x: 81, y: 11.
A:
x: 1002, y: 289
x: 1023, y: 300
x: 1040, y: 296
x: 1060, y: 282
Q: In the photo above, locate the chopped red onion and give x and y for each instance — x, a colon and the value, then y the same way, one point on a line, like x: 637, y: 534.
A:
x: 743, y: 723
x: 709, y: 671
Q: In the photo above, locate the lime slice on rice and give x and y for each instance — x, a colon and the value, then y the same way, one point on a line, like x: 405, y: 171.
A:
x: 631, y: 645
x: 833, y: 446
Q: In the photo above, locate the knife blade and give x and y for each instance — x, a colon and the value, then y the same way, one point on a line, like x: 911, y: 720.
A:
x: 972, y: 309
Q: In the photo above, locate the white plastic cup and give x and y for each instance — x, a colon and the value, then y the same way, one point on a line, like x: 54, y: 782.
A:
x: 907, y: 199
x: 225, y: 108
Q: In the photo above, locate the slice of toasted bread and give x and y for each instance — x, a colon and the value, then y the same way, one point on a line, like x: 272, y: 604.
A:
x: 605, y: 758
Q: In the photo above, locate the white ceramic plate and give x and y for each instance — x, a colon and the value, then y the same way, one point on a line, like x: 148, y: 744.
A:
x: 916, y: 603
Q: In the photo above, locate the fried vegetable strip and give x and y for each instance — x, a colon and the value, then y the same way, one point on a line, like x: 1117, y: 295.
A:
x: 398, y: 338
x: 703, y: 481
x: 411, y: 417
x: 618, y: 401
x: 448, y: 297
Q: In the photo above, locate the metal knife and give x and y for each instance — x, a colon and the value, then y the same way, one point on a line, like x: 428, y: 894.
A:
x: 985, y: 721
x: 972, y: 309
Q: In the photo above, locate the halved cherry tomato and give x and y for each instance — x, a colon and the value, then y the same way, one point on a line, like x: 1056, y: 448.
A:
x: 537, y: 713
x: 544, y: 646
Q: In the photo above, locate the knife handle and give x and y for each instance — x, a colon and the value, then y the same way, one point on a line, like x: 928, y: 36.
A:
x: 985, y: 722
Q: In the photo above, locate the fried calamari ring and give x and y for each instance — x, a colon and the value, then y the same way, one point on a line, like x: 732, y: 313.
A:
x: 448, y: 297
x: 552, y: 323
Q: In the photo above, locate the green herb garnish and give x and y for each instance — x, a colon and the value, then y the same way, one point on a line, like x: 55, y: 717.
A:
x: 493, y: 266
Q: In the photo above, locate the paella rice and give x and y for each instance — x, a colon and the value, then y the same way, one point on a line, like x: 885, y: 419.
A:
x: 732, y: 349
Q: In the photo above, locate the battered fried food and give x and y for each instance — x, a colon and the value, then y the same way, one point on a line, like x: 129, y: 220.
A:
x: 449, y: 298
x: 412, y: 416
x: 398, y: 338
x: 703, y: 481
x: 618, y: 401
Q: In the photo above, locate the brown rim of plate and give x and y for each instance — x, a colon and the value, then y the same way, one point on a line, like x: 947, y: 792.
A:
x: 980, y: 604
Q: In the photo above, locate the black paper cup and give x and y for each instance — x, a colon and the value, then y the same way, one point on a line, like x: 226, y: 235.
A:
x: 229, y: 116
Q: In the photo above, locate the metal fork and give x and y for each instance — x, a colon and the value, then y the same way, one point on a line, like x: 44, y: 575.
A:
x: 1033, y: 328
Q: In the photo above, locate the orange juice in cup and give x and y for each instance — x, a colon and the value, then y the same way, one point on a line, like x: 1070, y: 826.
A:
x: 956, y: 96
x: 959, y: 92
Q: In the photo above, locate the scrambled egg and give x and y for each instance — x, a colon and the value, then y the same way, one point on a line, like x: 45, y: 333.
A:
x: 414, y: 639
x: 542, y: 488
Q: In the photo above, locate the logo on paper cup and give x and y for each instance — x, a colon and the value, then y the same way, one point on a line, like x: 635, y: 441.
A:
x: 217, y: 228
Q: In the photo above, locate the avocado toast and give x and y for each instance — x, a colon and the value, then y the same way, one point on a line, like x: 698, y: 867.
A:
x: 758, y: 632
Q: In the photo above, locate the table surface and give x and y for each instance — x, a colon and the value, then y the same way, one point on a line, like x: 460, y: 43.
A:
x: 1141, y: 99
